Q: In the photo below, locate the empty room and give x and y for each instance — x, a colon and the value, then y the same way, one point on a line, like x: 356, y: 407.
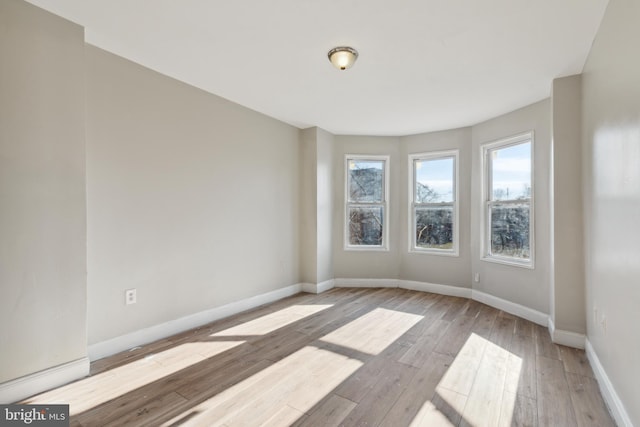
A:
x: 408, y: 213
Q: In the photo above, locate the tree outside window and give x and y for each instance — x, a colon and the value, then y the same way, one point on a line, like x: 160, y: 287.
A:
x: 433, y: 203
x: 366, y: 202
x: 508, y: 200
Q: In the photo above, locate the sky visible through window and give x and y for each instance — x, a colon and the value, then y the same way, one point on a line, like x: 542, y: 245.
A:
x: 511, y: 172
x: 437, y: 174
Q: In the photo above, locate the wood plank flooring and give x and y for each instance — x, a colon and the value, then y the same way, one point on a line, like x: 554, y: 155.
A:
x: 387, y: 357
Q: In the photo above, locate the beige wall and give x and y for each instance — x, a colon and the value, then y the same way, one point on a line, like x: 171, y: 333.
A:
x: 324, y: 206
x: 397, y: 262
x: 611, y: 184
x: 197, y: 202
x: 528, y: 287
x: 308, y: 205
x: 441, y: 270
x: 567, y: 269
x: 192, y: 199
x: 42, y: 191
x: 349, y: 264
x: 316, y: 205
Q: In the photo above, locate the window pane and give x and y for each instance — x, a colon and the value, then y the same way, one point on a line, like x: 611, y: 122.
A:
x: 510, y: 230
x: 365, y: 226
x: 511, y: 172
x: 434, y: 180
x: 434, y: 227
x: 366, y: 181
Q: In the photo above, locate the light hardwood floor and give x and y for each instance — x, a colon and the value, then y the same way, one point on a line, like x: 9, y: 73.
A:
x: 387, y: 357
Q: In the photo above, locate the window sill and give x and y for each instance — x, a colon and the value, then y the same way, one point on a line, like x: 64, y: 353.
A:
x: 366, y: 249
x: 434, y: 252
x: 506, y: 261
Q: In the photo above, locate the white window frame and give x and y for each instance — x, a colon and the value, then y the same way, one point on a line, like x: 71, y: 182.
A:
x: 384, y: 204
x: 487, y: 203
x: 435, y: 155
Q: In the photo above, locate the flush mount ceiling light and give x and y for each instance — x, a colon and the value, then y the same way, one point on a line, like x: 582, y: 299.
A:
x: 343, y: 57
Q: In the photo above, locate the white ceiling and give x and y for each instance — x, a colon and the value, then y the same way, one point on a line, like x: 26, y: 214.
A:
x: 424, y: 65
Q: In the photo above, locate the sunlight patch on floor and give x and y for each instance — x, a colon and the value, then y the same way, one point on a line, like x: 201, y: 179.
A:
x: 430, y: 416
x: 477, y: 390
x: 277, y: 395
x: 93, y: 391
x: 270, y: 322
x: 374, y: 331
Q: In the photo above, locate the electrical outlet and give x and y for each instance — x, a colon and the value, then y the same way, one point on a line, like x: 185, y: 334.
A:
x: 130, y: 296
x: 477, y: 277
x: 603, y: 323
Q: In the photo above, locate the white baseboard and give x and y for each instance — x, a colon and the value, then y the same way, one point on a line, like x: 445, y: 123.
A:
x: 325, y: 286
x: 21, y: 388
x: 606, y: 388
x: 163, y: 330
x: 310, y: 288
x: 511, y: 307
x: 551, y: 326
x: 366, y: 283
x: 453, y: 291
x: 568, y: 338
x: 317, y: 288
x: 404, y: 284
x: 499, y: 303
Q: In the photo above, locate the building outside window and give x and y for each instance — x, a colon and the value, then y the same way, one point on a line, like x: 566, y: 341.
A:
x: 366, y: 202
